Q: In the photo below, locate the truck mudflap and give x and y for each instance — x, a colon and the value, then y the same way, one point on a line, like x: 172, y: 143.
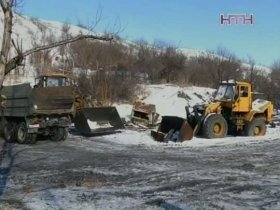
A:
x: 173, y: 128
x: 98, y: 121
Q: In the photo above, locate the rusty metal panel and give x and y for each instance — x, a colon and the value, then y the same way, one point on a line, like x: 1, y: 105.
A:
x: 145, y: 108
x: 53, y: 98
x: 143, y: 113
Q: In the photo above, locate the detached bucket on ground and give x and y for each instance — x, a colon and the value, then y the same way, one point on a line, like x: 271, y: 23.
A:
x: 98, y: 121
x: 173, y: 128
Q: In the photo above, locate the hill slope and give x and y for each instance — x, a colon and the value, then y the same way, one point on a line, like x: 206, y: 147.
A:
x: 30, y: 31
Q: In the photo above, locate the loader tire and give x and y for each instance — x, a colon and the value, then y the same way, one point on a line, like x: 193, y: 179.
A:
x: 256, y: 127
x: 10, y: 132
x: 215, y: 126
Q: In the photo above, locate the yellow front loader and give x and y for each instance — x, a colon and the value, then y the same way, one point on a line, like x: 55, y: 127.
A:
x: 233, y: 112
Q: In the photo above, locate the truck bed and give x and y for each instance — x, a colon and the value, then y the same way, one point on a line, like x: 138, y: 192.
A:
x: 23, y: 100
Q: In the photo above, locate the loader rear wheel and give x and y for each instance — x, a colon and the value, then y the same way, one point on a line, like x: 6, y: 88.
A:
x: 215, y: 126
x: 9, y: 132
x: 256, y: 127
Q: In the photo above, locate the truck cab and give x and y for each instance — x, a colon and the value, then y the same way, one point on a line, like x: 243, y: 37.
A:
x: 52, y: 80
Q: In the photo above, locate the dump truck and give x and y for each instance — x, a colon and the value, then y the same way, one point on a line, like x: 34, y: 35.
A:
x: 49, y: 108
x: 26, y: 112
x: 233, y: 111
x: 88, y: 118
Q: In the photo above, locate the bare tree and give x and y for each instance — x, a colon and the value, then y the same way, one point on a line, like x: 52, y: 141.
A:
x: 251, y: 62
x: 6, y: 41
x: 8, y: 64
x: 226, y: 65
x: 173, y: 63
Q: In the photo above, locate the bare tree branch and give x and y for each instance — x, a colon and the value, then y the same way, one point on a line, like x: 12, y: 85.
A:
x: 16, y: 61
x: 70, y: 40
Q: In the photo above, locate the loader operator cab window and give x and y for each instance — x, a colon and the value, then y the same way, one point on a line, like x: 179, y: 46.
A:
x: 243, y: 91
x: 225, y: 93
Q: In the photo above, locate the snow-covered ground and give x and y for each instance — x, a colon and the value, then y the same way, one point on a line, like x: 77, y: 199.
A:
x: 130, y: 137
x: 130, y: 171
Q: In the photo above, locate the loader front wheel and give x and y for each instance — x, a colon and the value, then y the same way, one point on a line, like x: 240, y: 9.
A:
x: 215, y: 126
x: 256, y: 127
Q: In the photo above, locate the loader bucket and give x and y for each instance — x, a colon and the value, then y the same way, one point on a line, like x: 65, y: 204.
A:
x: 173, y: 128
x: 98, y: 121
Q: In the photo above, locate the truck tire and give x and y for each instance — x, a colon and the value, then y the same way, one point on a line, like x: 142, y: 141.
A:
x: 65, y: 134
x: 57, y: 134
x: 32, y: 138
x: 22, y: 133
x: 9, y: 132
x: 215, y: 126
x: 256, y: 127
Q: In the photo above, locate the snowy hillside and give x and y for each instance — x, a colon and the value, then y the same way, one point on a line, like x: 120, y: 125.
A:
x: 171, y: 99
x: 189, y: 53
x: 30, y: 31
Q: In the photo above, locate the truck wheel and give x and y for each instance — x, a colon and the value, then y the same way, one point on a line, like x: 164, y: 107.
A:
x: 215, y: 126
x: 256, y: 127
x: 9, y: 132
x: 57, y: 134
x: 65, y: 134
x: 32, y: 138
x: 22, y: 133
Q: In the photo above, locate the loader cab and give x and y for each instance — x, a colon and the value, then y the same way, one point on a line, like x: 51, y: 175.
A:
x: 52, y: 81
x: 235, y: 95
x: 243, y: 101
x: 226, y: 92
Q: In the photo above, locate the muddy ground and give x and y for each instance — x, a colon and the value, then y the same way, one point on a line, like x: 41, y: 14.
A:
x: 92, y: 173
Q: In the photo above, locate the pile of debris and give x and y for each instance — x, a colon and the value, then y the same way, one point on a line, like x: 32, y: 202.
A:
x: 144, y: 114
